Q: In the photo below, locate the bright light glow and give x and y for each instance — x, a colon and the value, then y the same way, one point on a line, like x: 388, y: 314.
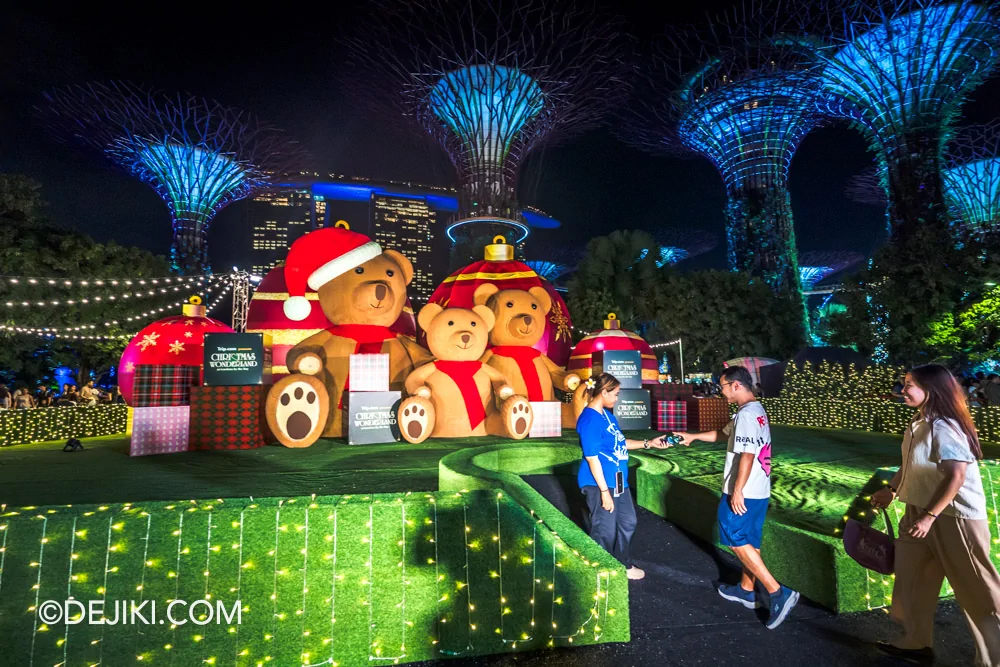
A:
x: 671, y: 255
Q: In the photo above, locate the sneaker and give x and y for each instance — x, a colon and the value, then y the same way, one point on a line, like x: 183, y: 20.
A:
x: 635, y: 573
x: 781, y: 603
x: 736, y: 593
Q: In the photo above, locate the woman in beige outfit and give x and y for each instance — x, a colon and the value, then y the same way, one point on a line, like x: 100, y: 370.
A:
x: 944, y: 532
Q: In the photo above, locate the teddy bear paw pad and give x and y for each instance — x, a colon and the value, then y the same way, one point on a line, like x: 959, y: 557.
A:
x: 519, y: 416
x: 298, y: 414
x: 415, y: 419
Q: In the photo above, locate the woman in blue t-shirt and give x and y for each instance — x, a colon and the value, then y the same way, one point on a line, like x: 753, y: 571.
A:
x: 603, y: 475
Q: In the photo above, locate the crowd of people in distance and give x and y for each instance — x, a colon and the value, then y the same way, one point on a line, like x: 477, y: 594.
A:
x: 46, y: 397
x: 708, y: 388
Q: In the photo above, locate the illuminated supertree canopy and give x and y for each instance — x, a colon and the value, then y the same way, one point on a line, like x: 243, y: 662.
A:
x: 900, y: 72
x: 971, y: 181
x: 198, y: 155
x: 743, y: 97
x: 972, y: 178
x: 551, y: 271
x: 555, y: 261
x: 678, y: 244
x: 815, y: 266
x: 490, y: 81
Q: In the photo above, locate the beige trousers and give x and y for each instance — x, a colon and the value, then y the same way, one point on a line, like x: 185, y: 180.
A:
x: 958, y: 549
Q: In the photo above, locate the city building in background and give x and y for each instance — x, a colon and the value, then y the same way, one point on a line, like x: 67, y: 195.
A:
x: 409, y: 225
x: 276, y: 219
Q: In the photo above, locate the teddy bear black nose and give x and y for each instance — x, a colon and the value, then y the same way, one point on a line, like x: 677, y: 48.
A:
x: 527, y: 320
x: 466, y: 338
x: 380, y: 291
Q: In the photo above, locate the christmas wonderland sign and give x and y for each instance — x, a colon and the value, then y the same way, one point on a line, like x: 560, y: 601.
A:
x: 237, y: 359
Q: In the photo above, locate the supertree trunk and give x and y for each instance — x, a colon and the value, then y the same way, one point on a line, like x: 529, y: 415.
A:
x: 189, y: 248
x: 761, y: 239
x: 914, y: 185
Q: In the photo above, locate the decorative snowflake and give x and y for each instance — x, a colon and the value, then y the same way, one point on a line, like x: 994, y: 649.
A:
x: 148, y: 340
x: 203, y: 323
x: 176, y: 347
x: 129, y: 367
x: 188, y: 334
x: 189, y: 323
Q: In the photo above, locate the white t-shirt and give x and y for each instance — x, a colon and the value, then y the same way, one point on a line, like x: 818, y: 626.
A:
x: 749, y: 433
x: 925, y: 444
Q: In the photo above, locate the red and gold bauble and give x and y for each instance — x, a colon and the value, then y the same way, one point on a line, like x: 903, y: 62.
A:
x: 267, y: 316
x: 501, y: 269
x: 178, y: 340
x: 612, y: 337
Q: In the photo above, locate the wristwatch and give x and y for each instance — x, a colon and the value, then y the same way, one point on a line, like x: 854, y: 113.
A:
x: 645, y: 443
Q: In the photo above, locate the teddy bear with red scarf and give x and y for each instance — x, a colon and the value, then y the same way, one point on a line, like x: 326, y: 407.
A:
x: 362, y: 291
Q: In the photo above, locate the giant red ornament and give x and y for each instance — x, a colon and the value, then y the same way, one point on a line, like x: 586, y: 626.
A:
x: 612, y: 337
x: 178, y: 340
x: 267, y: 316
x: 501, y: 269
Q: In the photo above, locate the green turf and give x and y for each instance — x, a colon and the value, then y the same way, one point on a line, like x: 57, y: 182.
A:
x: 362, y: 580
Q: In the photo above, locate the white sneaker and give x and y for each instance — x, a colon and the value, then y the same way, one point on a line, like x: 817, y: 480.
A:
x: 635, y: 573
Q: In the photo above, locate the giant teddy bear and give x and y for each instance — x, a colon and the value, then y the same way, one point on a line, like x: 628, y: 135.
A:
x: 520, y: 323
x: 457, y: 395
x: 362, y: 291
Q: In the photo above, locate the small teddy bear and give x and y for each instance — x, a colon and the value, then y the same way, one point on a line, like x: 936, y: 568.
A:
x: 457, y: 395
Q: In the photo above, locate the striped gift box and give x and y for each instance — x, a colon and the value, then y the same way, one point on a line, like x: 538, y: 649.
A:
x: 671, y: 416
x: 159, y: 430
x: 547, y: 421
x: 158, y: 386
x: 369, y: 372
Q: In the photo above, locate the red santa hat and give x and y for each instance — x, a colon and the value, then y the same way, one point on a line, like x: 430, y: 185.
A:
x: 317, y: 258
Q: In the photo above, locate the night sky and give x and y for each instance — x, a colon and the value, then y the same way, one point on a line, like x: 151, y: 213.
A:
x: 282, y: 66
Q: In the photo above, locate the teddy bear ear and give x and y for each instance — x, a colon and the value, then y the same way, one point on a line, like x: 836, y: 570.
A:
x: 486, y: 314
x: 427, y: 315
x: 404, y: 264
x: 483, y: 293
x: 542, y: 297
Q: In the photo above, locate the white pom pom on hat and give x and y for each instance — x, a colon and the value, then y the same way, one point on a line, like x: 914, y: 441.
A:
x: 317, y: 258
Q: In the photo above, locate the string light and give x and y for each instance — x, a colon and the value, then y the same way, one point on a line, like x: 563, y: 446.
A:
x: 114, y: 282
x: 60, y: 423
x: 123, y: 296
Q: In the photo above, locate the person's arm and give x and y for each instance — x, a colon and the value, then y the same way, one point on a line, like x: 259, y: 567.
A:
x: 655, y: 443
x: 742, y: 475
x: 607, y: 502
x: 706, y: 436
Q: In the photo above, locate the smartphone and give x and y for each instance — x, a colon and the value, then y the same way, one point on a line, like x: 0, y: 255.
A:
x: 619, y: 483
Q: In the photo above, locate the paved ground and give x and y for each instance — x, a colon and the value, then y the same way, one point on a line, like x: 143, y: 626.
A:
x: 678, y: 619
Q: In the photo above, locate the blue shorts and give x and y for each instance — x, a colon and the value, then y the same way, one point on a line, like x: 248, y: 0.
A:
x: 736, y: 530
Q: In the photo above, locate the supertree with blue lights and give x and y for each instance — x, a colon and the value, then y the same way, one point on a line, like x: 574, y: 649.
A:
x: 900, y: 71
x: 817, y: 266
x: 197, y: 154
x: 744, y: 97
x: 972, y: 181
x: 677, y: 245
x: 971, y: 176
x: 490, y: 81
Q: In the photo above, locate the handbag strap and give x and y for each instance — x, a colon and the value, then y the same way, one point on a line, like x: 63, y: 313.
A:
x: 888, y: 526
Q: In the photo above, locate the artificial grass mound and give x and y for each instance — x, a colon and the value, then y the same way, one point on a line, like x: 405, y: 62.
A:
x: 321, y: 580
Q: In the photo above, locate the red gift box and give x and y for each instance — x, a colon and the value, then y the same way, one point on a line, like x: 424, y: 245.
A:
x: 159, y: 430
x: 162, y: 385
x: 671, y: 416
x: 671, y: 391
x: 229, y: 417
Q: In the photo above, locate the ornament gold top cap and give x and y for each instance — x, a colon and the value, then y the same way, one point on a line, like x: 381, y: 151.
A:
x: 194, y: 307
x: 612, y: 322
x: 343, y: 224
x: 499, y: 250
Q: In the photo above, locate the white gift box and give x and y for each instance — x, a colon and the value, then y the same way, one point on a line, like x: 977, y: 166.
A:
x: 369, y: 372
x: 547, y: 419
x: 160, y: 430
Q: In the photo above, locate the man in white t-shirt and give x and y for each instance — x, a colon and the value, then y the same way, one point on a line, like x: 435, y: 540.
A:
x: 746, y: 490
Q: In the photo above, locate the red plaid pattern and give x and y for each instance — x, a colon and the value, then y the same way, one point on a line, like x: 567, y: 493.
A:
x: 158, y: 386
x: 369, y: 372
x: 160, y: 430
x: 229, y: 417
x: 547, y: 422
x: 671, y: 416
x: 707, y: 414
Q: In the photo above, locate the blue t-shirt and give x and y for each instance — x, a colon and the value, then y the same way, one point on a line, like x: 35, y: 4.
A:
x: 601, y: 437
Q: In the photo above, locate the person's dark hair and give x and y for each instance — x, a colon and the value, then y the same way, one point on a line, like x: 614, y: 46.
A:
x: 738, y: 374
x: 604, y: 381
x: 946, y: 400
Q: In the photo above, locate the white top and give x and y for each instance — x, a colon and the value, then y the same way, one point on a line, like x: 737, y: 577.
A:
x: 925, y: 444
x: 749, y: 433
